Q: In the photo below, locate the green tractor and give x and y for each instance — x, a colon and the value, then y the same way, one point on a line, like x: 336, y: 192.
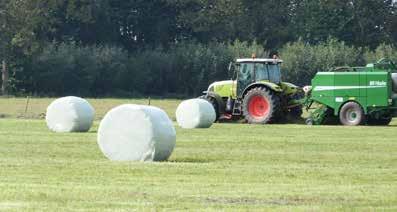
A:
x: 354, y: 95
x: 256, y: 93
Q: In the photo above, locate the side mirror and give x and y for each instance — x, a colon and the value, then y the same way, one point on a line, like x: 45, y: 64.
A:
x: 230, y: 66
x: 232, y: 70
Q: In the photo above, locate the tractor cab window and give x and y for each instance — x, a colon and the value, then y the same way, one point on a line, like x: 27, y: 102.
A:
x: 261, y: 72
x: 246, y: 72
x: 274, y: 73
x: 269, y: 72
x: 245, y: 76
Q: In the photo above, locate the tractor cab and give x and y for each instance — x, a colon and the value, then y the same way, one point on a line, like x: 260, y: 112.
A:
x: 249, y: 71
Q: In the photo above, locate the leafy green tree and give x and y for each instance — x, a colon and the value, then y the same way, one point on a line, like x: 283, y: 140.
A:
x: 19, y: 32
x: 358, y: 22
x: 82, y: 20
x: 268, y: 22
x: 303, y: 60
x: 209, y: 20
x: 144, y: 23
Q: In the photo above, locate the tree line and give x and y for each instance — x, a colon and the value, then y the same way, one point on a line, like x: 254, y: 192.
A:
x: 177, y: 47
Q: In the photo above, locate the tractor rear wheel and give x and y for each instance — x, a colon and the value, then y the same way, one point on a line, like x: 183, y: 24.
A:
x: 260, y: 106
x: 351, y: 114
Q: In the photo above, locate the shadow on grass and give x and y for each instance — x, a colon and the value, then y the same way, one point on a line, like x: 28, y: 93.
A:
x: 285, y: 120
x: 3, y: 116
x: 248, y: 201
x: 190, y: 160
x: 301, y: 121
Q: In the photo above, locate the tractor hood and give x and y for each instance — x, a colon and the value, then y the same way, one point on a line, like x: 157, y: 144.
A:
x: 224, y: 88
x: 290, y: 89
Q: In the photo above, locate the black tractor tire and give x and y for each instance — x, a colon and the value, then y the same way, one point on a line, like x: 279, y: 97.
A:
x: 351, y: 114
x: 296, y: 112
x: 379, y: 122
x: 214, y: 104
x: 260, y: 106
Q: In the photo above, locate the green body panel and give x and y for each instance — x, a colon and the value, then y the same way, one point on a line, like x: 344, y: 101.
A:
x: 273, y: 86
x: 288, y: 88
x: 265, y: 83
x: 224, y: 89
x: 229, y: 88
x: 372, y: 90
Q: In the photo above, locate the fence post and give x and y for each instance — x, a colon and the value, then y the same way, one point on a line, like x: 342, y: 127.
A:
x: 4, y: 78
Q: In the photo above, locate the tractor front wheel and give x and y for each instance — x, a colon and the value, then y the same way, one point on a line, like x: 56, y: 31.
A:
x: 351, y: 114
x: 260, y: 106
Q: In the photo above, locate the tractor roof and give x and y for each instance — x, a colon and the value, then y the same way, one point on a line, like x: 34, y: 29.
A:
x: 258, y: 60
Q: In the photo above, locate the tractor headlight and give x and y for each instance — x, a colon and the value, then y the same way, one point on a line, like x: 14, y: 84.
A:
x: 307, y: 89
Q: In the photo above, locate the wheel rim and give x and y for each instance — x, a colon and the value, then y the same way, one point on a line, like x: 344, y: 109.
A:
x: 352, y: 115
x: 258, y: 107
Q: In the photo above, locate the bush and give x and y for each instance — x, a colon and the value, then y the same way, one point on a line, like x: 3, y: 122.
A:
x: 68, y: 69
x: 302, y: 61
x: 183, y: 70
x: 383, y: 51
x: 186, y: 68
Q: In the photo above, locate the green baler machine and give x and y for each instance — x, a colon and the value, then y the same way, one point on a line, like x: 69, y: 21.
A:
x: 354, y: 95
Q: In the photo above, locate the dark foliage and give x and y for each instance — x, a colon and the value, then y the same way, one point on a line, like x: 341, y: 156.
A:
x: 177, y: 47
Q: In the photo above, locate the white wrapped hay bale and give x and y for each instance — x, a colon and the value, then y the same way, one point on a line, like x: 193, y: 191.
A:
x: 136, y: 133
x: 70, y: 114
x: 195, y: 113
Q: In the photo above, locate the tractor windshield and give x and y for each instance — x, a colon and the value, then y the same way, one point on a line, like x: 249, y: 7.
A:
x: 274, y: 73
x: 269, y: 72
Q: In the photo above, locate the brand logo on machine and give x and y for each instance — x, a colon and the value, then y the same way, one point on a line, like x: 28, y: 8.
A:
x: 339, y: 99
x: 377, y: 83
x: 331, y: 88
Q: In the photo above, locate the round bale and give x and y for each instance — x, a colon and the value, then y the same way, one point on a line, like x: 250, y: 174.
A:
x: 195, y: 113
x: 136, y: 133
x: 70, y: 114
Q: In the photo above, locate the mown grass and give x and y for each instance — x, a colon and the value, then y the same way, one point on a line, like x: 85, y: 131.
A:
x: 226, y: 167
x: 35, y: 108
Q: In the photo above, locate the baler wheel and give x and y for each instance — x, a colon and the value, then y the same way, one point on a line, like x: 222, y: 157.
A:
x: 309, y: 121
x: 351, y: 114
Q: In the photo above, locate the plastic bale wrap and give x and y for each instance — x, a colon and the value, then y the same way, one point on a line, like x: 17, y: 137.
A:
x: 195, y: 113
x: 70, y: 114
x: 136, y: 133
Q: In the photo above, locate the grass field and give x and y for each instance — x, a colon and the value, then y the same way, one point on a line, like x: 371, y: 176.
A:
x: 35, y: 108
x: 228, y: 167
